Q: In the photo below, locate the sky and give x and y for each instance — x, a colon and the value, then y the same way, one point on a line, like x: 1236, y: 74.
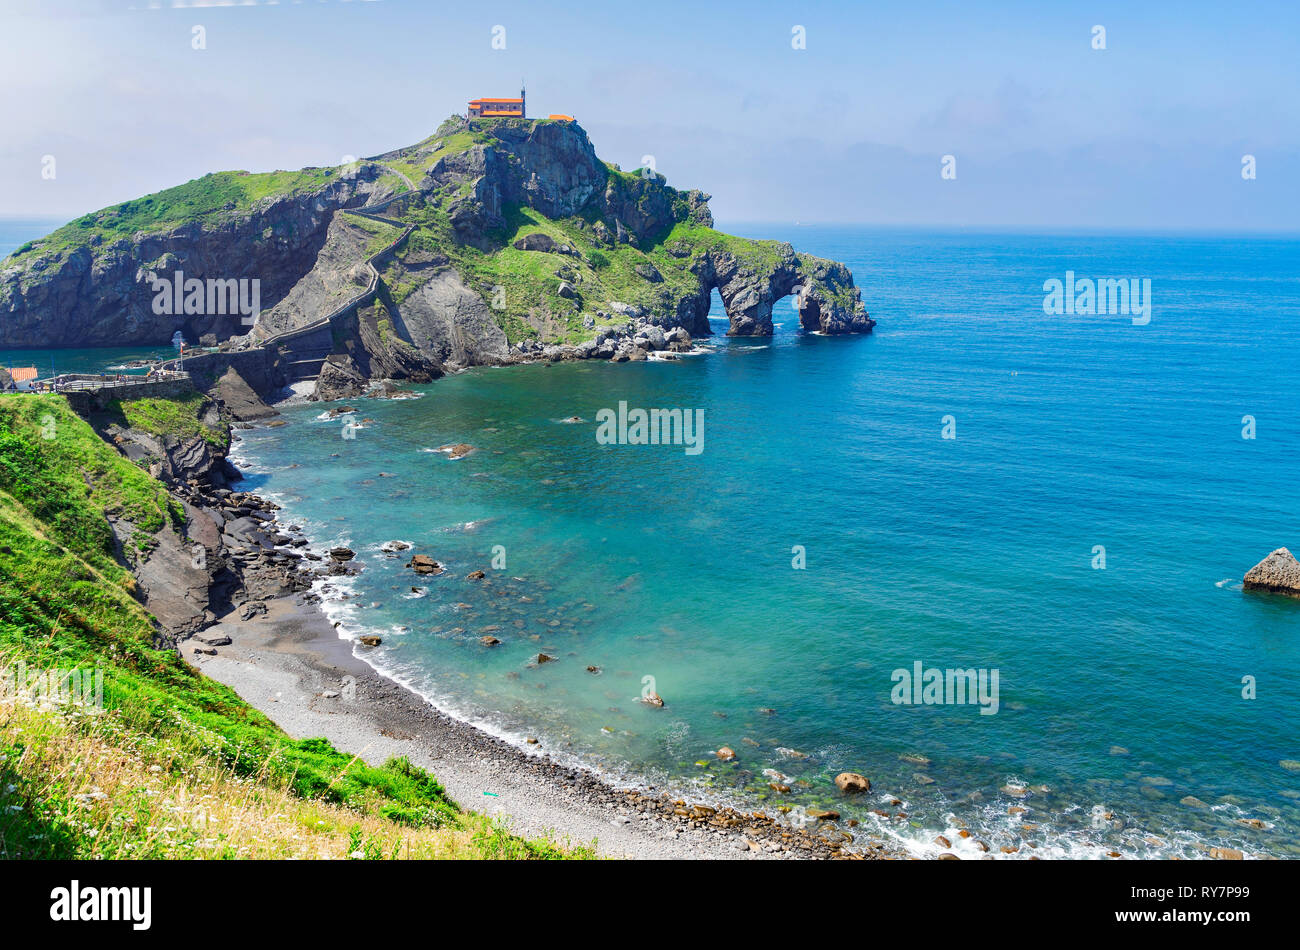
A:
x: 1044, y: 130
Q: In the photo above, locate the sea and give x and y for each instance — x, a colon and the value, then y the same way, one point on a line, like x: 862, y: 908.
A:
x: 1053, y: 508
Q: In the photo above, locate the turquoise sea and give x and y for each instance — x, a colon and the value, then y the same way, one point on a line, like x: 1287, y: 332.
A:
x: 1120, y: 687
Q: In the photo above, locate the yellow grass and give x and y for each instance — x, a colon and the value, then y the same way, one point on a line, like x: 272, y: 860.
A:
x: 78, y: 784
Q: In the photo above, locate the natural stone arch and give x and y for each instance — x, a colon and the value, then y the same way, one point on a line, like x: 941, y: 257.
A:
x: 750, y: 285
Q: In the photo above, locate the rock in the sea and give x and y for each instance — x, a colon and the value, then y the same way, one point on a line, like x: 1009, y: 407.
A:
x: 489, y: 641
x: 423, y: 564
x: 1226, y: 854
x: 342, y: 554
x: 726, y: 754
x: 370, y: 640
x: 544, y: 658
x: 852, y: 782
x: 1279, y: 573
x: 475, y: 576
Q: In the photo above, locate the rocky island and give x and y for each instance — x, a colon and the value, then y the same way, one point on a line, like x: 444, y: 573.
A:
x: 491, y: 241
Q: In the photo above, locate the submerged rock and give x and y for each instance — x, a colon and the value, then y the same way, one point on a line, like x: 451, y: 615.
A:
x: 1279, y: 573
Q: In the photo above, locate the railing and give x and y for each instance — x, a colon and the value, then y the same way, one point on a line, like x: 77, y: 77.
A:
x: 73, y: 382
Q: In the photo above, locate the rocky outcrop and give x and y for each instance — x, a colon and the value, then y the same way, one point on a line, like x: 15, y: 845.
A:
x: 1279, y: 573
x: 339, y: 379
x: 447, y: 322
x: 240, y: 399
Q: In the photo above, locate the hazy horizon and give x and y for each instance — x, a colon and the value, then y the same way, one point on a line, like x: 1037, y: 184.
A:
x: 1047, y: 133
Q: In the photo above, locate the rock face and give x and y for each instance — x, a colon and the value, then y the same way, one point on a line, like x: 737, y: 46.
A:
x: 339, y: 379
x: 99, y: 293
x: 1279, y: 573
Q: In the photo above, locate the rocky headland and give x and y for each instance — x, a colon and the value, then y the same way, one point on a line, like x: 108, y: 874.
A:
x: 501, y: 241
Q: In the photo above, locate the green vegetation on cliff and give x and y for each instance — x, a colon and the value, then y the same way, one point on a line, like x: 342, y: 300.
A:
x: 70, y: 781
x: 199, y: 200
x: 180, y: 416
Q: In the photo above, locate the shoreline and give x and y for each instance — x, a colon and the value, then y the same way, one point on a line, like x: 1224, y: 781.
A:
x: 291, y: 664
x: 285, y: 659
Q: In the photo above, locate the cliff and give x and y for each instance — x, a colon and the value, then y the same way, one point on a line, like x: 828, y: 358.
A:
x: 485, y: 243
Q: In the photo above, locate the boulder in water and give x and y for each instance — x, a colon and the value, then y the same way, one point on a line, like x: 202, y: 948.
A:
x: 1279, y: 573
x: 852, y: 782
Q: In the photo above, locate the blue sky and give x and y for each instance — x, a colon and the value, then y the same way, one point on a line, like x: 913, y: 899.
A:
x: 1047, y: 132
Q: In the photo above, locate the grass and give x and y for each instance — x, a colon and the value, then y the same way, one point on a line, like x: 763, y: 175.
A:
x: 602, y: 275
x: 67, y: 603
x: 220, y: 194
x: 181, y: 416
x: 70, y: 480
x: 380, y: 235
x: 85, y: 786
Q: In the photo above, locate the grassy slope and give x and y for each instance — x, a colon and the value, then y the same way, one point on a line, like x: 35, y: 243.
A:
x: 603, y: 275
x: 60, y: 609
x: 202, y: 200
x: 180, y: 416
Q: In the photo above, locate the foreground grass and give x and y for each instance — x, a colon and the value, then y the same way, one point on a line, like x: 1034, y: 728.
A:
x: 66, y: 604
x: 76, y: 785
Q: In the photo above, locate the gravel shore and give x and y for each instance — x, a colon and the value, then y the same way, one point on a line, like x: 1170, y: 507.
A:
x: 291, y: 664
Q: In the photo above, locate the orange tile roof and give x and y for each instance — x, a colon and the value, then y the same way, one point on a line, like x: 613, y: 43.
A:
x: 21, y: 374
x: 477, y: 101
x: 560, y: 116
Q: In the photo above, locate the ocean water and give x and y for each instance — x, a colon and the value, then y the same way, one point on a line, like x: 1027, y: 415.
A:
x: 1120, y: 689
